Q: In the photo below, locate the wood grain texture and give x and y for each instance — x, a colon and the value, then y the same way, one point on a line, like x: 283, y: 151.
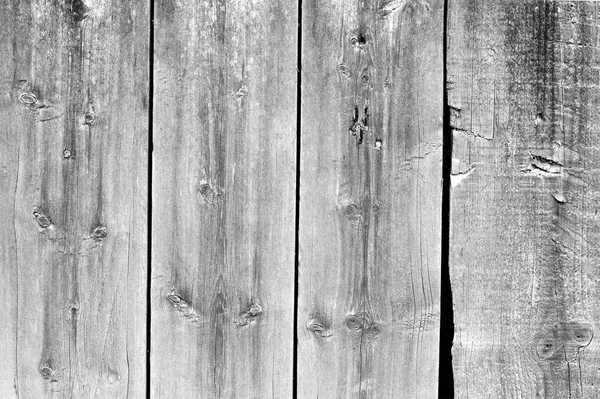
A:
x: 73, y: 161
x: 525, y: 231
x: 224, y: 199
x: 370, y: 206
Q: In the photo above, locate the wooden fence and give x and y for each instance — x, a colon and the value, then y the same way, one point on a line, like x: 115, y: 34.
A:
x: 315, y: 199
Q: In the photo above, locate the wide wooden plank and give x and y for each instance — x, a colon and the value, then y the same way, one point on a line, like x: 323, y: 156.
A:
x: 525, y: 236
x: 73, y: 162
x: 224, y: 199
x: 370, y: 199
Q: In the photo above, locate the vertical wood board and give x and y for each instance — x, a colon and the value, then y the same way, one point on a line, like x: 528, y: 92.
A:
x: 73, y: 195
x: 370, y: 199
x: 224, y: 199
x: 524, y: 99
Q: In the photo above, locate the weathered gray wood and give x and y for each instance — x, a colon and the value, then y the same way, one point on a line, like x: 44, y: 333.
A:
x: 73, y: 161
x: 223, y: 199
x: 370, y: 206
x: 524, y: 96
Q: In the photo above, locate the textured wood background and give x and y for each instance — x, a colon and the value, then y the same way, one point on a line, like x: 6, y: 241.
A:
x: 73, y: 198
x: 524, y: 97
x: 288, y: 261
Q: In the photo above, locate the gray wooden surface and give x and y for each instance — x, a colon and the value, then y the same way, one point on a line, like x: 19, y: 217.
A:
x: 523, y: 84
x: 73, y: 195
x: 224, y: 178
x: 524, y: 98
x: 370, y: 199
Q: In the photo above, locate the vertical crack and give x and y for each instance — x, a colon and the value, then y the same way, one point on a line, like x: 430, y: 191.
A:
x: 297, y: 222
x: 149, y: 216
x: 446, y: 378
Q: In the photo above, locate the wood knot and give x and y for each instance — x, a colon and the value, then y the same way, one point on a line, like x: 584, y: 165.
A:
x: 354, y: 323
x: 208, y: 194
x: 254, y: 310
x: 42, y: 219
x: 376, y: 207
x: 249, y: 315
x: 99, y: 233
x: 352, y: 212
x: 363, y: 323
x: 79, y: 10
x: 563, y: 341
x: 581, y: 335
x: 45, y: 371
x: 545, y: 348
x: 242, y: 92
x: 175, y: 299
x: 374, y: 331
x: 48, y: 373
x: 74, y: 310
x: 319, y: 328
x: 359, y: 42
x: 66, y: 153
x: 89, y: 118
x: 344, y: 71
x: 182, y: 306
x: 539, y: 119
x: 28, y: 98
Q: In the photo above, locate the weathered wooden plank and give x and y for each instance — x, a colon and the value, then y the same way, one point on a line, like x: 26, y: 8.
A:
x: 224, y: 199
x: 73, y: 144
x: 524, y: 97
x: 370, y: 207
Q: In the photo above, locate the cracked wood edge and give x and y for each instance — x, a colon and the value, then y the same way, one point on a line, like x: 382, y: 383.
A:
x: 524, y: 228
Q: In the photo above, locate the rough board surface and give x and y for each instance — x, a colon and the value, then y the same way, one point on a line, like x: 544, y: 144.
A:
x: 524, y: 97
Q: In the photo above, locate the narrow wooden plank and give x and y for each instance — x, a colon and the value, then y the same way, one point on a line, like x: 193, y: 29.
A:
x: 370, y: 207
x: 73, y: 161
x: 524, y: 97
x: 224, y: 199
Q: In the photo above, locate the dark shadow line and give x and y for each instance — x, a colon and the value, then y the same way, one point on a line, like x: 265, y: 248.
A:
x: 297, y: 221
x: 149, y: 215
x: 446, y: 377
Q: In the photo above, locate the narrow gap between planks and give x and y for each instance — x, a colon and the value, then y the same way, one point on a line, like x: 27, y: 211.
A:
x: 446, y: 378
x: 150, y: 145
x: 297, y: 227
